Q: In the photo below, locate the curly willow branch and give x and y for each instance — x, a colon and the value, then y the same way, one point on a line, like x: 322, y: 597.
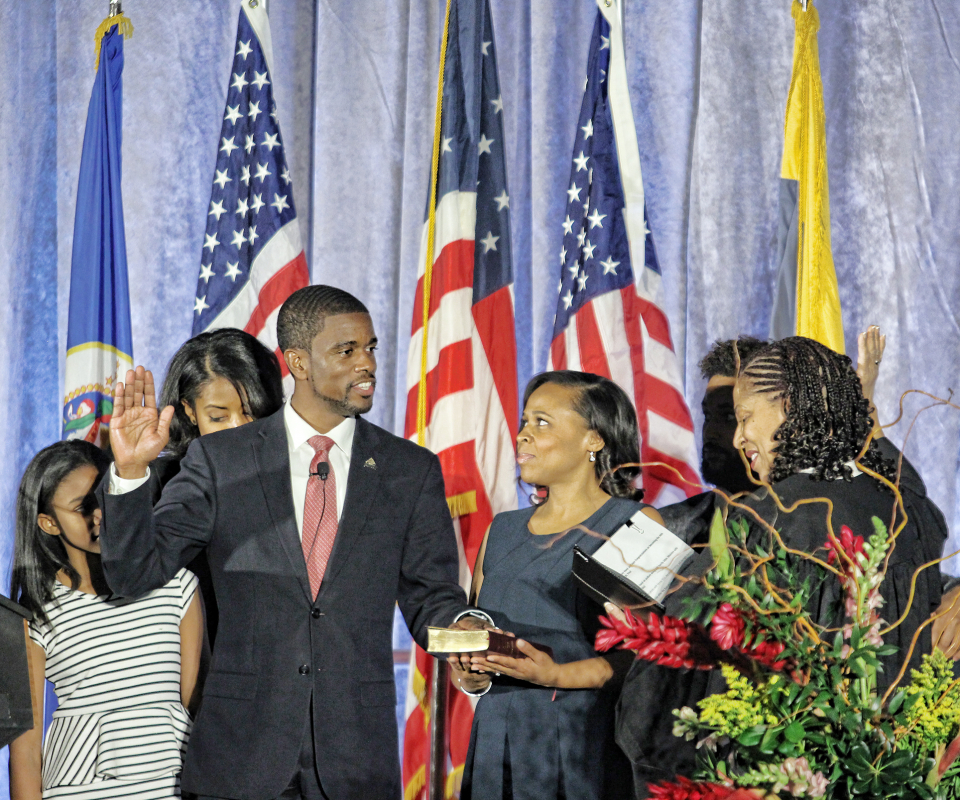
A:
x: 913, y: 644
x: 899, y: 505
x: 940, y: 401
x: 913, y: 587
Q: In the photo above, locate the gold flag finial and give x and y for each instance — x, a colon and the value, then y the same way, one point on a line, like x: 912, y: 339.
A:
x: 124, y: 26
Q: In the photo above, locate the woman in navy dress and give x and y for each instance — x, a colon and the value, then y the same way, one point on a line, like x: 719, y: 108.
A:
x: 544, y: 726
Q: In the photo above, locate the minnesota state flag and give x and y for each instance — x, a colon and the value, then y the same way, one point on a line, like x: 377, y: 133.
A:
x: 99, y: 341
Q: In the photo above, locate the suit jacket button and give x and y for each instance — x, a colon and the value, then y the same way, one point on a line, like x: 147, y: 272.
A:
x: 304, y: 669
x: 316, y: 613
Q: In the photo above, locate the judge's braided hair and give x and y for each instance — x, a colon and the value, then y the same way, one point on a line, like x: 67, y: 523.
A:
x: 827, y: 416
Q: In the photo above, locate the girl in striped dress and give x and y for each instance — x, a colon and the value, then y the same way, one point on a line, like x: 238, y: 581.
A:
x: 123, y: 671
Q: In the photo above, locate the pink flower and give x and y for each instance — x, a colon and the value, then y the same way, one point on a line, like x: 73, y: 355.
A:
x: 727, y: 628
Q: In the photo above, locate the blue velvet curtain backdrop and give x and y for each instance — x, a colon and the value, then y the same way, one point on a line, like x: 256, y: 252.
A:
x: 355, y: 86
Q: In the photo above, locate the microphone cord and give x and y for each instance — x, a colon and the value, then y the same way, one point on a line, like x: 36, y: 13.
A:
x: 323, y: 508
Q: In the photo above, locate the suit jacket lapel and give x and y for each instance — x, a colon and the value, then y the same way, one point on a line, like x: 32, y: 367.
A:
x: 273, y: 467
x: 362, y: 485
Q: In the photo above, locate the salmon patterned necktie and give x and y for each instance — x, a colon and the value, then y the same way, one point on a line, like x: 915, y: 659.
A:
x: 319, y: 513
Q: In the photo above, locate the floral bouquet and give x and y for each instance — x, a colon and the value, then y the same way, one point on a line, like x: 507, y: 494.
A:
x: 802, y: 715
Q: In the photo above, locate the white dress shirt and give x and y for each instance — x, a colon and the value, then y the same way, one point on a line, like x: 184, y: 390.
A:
x: 301, y: 454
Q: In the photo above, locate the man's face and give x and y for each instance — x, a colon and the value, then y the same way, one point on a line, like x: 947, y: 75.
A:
x: 720, y: 461
x: 343, y: 364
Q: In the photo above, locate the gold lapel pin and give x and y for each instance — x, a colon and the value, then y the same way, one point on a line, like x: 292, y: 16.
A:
x: 370, y: 464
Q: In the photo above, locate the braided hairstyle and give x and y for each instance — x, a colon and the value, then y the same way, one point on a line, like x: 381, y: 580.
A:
x: 606, y: 409
x: 722, y: 359
x: 827, y: 416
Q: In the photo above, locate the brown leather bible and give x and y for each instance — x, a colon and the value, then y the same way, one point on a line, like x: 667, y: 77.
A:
x: 442, y: 641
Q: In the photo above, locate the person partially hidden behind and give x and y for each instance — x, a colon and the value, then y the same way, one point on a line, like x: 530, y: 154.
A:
x: 216, y: 380
x: 720, y: 461
x: 315, y: 522
x: 644, y: 722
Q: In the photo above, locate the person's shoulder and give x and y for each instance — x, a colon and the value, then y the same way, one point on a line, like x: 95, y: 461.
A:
x: 393, y: 445
x: 625, y: 504
x: 513, y: 520
x: 514, y: 514
x: 779, y: 503
x: 621, y: 509
x: 796, y: 486
x: 183, y: 579
x: 693, y: 503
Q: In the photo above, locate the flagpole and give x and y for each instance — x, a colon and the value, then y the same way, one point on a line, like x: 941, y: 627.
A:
x: 437, y: 772
x: 436, y: 767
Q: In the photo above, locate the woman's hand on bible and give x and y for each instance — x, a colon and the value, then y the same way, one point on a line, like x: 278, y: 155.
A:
x: 538, y: 667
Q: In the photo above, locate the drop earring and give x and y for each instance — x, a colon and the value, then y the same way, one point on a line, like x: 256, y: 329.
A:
x: 593, y: 456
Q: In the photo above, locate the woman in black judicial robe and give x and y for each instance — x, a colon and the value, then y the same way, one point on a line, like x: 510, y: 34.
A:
x: 216, y: 380
x: 802, y: 420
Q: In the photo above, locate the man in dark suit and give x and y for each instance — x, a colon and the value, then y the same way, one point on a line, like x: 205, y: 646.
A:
x: 315, y: 522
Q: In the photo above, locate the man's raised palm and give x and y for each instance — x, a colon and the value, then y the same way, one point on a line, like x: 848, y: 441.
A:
x: 137, y: 431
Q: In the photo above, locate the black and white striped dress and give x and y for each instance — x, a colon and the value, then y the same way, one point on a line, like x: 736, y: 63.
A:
x: 120, y: 729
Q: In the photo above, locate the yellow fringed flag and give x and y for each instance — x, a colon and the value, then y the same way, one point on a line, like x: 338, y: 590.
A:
x: 124, y: 28
x: 804, y: 174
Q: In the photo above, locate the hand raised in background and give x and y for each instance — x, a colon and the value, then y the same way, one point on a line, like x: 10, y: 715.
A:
x: 137, y: 431
x: 870, y: 346
x: 946, y: 625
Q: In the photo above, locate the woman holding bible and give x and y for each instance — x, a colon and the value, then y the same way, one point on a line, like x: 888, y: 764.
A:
x: 544, y: 725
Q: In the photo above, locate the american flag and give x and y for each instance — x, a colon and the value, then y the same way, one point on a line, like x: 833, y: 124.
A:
x: 251, y: 259
x: 610, y: 318
x: 470, y: 408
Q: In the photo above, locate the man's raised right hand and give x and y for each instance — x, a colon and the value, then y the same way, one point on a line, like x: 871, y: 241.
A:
x: 137, y: 431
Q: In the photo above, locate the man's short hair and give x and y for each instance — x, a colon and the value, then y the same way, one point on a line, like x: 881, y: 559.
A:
x: 722, y: 359
x: 303, y: 314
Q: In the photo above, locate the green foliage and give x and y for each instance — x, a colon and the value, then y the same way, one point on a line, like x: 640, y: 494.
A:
x: 818, y: 728
x: 720, y: 545
x: 741, y: 708
x: 934, y: 713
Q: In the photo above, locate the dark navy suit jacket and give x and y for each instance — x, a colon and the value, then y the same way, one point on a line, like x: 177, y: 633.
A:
x: 276, y: 648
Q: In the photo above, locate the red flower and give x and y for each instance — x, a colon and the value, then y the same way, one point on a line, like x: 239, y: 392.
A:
x: 767, y: 653
x: 851, y: 546
x: 685, y: 789
x: 727, y: 628
x: 663, y: 640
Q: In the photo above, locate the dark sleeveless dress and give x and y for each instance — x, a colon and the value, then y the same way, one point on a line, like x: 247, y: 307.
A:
x: 530, y: 741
